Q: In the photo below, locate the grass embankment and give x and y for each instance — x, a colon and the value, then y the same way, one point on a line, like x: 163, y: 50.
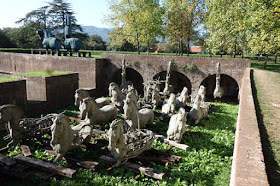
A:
x: 266, y: 88
x: 7, y: 79
x: 207, y: 162
x: 42, y: 73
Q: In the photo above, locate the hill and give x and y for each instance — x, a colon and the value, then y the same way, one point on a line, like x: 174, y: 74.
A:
x: 90, y: 30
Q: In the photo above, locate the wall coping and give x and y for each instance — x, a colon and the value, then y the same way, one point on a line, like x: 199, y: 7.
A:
x: 248, y: 167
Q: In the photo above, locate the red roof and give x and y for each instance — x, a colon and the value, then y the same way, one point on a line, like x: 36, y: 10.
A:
x: 195, y: 49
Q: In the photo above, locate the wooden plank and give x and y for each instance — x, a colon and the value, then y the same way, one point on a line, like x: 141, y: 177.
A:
x: 25, y: 150
x: 134, y: 167
x: 83, y: 163
x: 46, y: 165
x: 6, y: 161
x: 173, y: 143
x: 170, y: 156
x: 14, y: 173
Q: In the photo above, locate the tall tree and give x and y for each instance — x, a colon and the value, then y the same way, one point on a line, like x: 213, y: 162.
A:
x: 50, y: 16
x: 181, y: 18
x: 136, y: 21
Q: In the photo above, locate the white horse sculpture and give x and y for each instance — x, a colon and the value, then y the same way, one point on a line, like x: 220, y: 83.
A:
x: 181, y: 101
x: 137, y: 119
x: 168, y: 108
x: 129, y: 145
x: 91, y: 113
x: 197, y: 112
x: 11, y: 115
x: 177, y: 126
x: 156, y: 100
x: 66, y: 137
x: 80, y: 94
x: 117, y: 96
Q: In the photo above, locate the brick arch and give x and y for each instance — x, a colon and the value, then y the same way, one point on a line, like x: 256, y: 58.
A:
x: 178, y: 80
x: 131, y: 75
x: 228, y: 83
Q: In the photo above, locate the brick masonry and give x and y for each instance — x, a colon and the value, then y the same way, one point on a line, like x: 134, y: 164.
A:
x: 86, y: 67
x: 13, y: 92
x: 248, y: 167
x: 149, y: 66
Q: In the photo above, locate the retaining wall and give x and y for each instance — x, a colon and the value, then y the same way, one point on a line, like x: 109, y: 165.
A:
x: 13, y: 92
x: 248, y: 167
x: 86, y: 67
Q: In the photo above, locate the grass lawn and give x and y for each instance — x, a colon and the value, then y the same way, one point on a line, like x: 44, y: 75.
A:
x: 6, y: 79
x: 42, y: 73
x: 207, y: 162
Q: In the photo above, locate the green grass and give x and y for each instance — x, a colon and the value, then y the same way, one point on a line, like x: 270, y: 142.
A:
x: 6, y: 79
x: 207, y: 162
x: 271, y: 66
x: 42, y: 73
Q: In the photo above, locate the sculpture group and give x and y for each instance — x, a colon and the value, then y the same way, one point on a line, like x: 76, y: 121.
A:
x: 124, y: 101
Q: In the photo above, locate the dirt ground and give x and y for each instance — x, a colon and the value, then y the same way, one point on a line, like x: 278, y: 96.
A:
x: 267, y: 92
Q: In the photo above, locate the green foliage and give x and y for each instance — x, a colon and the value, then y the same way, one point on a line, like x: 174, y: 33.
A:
x: 191, y: 67
x: 94, y: 42
x: 137, y: 22
x: 207, y: 162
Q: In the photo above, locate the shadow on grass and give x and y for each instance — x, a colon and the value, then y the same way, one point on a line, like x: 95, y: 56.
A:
x: 271, y: 165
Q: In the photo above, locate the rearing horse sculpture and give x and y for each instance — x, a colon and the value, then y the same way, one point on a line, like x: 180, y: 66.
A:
x: 66, y: 137
x: 48, y: 40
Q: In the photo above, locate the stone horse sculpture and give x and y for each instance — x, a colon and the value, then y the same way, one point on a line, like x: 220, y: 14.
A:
x: 168, y: 108
x: 134, y: 118
x: 48, y: 40
x: 197, y: 112
x: 181, y: 101
x: 177, y: 126
x: 92, y: 114
x: 129, y: 145
x: 219, y: 91
x: 117, y: 96
x: 156, y: 100
x: 80, y: 94
x: 66, y: 137
x: 11, y: 115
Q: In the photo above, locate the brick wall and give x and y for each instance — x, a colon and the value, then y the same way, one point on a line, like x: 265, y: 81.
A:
x: 15, y: 62
x: 13, y: 92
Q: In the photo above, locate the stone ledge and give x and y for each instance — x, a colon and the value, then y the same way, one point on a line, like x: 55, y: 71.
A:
x: 248, y: 167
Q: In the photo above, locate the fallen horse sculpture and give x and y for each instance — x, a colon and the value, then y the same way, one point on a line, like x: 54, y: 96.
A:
x: 129, y: 145
x: 20, y: 127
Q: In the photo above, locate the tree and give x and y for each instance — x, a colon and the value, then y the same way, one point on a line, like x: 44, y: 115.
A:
x: 51, y: 16
x: 181, y: 18
x: 136, y: 21
x: 5, y: 41
x: 95, y: 42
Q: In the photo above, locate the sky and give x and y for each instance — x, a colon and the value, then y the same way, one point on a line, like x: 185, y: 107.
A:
x: 87, y: 12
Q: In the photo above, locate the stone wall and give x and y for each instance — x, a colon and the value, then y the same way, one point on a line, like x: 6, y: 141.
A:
x: 13, y: 92
x: 248, y: 167
x: 60, y: 89
x: 15, y: 62
x: 150, y: 66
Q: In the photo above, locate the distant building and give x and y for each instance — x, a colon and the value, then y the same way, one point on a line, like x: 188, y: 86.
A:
x: 195, y: 49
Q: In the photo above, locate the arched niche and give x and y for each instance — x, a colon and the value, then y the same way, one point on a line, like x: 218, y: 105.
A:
x: 177, y: 80
x: 229, y: 85
x: 131, y: 75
